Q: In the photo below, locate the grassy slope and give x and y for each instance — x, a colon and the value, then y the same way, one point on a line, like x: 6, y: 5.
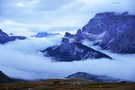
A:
x: 69, y: 84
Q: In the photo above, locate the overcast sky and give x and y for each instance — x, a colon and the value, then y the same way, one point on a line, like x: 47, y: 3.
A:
x: 55, y: 15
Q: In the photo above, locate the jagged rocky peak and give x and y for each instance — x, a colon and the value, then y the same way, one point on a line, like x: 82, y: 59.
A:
x: 68, y: 35
x: 73, y: 52
x: 105, y: 27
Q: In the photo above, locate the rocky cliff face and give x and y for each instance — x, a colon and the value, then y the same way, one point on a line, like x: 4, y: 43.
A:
x: 124, y: 43
x: 107, y: 30
x: 4, y: 37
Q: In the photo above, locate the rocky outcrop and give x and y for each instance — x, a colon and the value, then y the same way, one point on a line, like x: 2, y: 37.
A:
x: 96, y: 78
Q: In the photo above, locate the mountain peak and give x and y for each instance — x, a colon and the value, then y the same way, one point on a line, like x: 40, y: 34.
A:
x: 97, y: 78
x: 4, y: 37
x: 109, y: 30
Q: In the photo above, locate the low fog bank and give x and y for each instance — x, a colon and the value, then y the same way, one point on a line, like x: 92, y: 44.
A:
x: 22, y: 59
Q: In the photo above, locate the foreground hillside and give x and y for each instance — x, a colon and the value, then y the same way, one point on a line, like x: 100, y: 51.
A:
x: 68, y: 84
x: 4, y: 78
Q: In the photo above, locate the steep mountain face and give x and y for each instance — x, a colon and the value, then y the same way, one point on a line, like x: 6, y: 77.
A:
x: 73, y: 51
x: 112, y: 31
x: 97, y: 78
x: 4, y: 37
x: 106, y: 29
x: 4, y: 78
x: 124, y: 43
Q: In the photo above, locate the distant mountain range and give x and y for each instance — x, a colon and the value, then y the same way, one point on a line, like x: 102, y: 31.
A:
x: 44, y: 34
x: 109, y: 30
x: 4, y: 37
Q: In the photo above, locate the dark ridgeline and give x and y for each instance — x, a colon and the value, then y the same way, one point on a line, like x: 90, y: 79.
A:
x: 4, y: 78
x: 44, y: 34
x: 109, y: 30
x: 73, y: 51
x: 96, y: 78
x: 4, y: 37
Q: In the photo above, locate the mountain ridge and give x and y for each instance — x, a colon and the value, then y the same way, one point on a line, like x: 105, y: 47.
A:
x: 96, y: 78
x: 73, y: 51
x: 4, y: 37
x: 106, y: 30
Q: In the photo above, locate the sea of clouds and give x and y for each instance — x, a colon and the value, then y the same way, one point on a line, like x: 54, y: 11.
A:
x: 23, y: 59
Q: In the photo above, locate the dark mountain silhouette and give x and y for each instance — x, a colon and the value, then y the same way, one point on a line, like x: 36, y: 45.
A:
x: 74, y: 51
x: 4, y: 78
x: 45, y: 34
x: 96, y: 78
x: 4, y: 37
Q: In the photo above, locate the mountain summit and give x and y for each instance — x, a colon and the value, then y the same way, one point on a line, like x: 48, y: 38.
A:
x: 109, y: 30
x: 73, y: 52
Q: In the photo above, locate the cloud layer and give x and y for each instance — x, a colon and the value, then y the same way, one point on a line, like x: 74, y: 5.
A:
x: 22, y: 59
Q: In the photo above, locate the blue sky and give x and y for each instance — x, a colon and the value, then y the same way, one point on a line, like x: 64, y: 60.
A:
x: 55, y: 15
